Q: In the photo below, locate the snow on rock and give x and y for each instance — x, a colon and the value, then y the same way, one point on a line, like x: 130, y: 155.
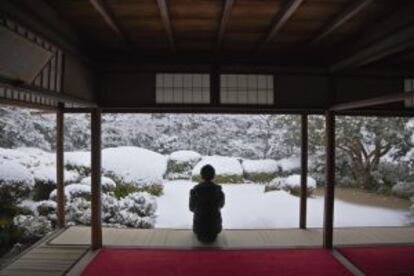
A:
x: 260, y: 170
x: 135, y: 166
x: 107, y: 183
x: 185, y: 156
x: 228, y: 169
x: 73, y: 191
x: 33, y: 227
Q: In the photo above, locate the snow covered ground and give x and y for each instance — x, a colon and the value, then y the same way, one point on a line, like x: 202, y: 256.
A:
x: 248, y: 207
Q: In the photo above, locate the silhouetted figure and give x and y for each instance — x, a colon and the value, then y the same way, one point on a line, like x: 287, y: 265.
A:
x: 206, y: 200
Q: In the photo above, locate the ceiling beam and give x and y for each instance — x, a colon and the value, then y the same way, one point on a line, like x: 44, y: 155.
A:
x: 394, y: 43
x: 386, y: 38
x: 373, y: 101
x: 225, y: 17
x: 166, y: 21
x: 109, y: 19
x: 352, y: 10
x: 282, y: 17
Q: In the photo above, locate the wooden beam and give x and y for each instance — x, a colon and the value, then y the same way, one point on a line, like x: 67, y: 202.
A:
x: 353, y: 9
x: 374, y: 101
x: 36, y: 91
x: 166, y: 21
x: 225, y: 17
x: 282, y: 17
x: 60, y: 177
x: 390, y: 36
x: 304, y: 172
x: 96, y: 223
x: 109, y: 19
x: 330, y: 180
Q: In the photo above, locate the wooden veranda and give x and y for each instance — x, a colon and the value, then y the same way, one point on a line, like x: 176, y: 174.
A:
x: 333, y: 58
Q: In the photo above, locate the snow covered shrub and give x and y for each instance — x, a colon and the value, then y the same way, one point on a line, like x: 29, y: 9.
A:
x: 45, y: 181
x: 108, y: 185
x: 110, y: 209
x: 32, y: 227
x: 78, y: 211
x: 16, y: 182
x: 288, y: 166
x: 137, y: 210
x: 260, y: 171
x: 403, y: 189
x: 274, y: 185
x: 134, y: 169
x: 73, y: 191
x: 79, y: 161
x: 47, y: 208
x: 228, y: 169
x: 292, y: 184
x: 180, y: 164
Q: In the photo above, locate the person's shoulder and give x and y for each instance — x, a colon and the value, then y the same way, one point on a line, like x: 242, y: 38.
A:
x: 217, y: 186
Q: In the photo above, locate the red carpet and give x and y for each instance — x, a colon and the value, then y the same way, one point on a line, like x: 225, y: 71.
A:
x: 381, y: 260
x: 214, y: 262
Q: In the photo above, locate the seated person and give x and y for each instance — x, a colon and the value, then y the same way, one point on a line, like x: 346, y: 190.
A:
x: 206, y: 200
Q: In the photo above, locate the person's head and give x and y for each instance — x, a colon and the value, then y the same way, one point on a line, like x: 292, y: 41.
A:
x: 207, y: 172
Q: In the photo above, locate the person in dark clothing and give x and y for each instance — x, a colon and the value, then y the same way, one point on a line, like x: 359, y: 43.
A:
x: 206, y: 200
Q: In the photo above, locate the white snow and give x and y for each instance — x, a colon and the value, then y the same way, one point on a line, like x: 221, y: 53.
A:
x: 222, y: 165
x: 72, y: 190
x: 135, y: 165
x: 185, y: 156
x: 248, y: 207
x: 294, y: 181
x: 106, y: 182
x: 288, y: 164
x: 260, y: 166
x: 78, y: 158
x: 12, y: 173
x: 48, y: 174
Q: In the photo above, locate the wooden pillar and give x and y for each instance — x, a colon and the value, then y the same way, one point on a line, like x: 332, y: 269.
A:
x: 215, y: 86
x: 304, y: 172
x: 60, y: 166
x: 96, y: 224
x: 330, y: 181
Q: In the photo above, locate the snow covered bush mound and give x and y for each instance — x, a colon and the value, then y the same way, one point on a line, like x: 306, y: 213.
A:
x: 47, y: 208
x: 260, y: 170
x: 403, y: 189
x: 228, y: 169
x: 138, y: 210
x: 32, y: 227
x: 78, y: 211
x: 45, y: 180
x: 181, y: 163
x: 291, y: 184
x: 108, y: 185
x: 287, y: 166
x: 16, y: 182
x: 135, y: 167
x: 79, y: 161
x: 74, y: 191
